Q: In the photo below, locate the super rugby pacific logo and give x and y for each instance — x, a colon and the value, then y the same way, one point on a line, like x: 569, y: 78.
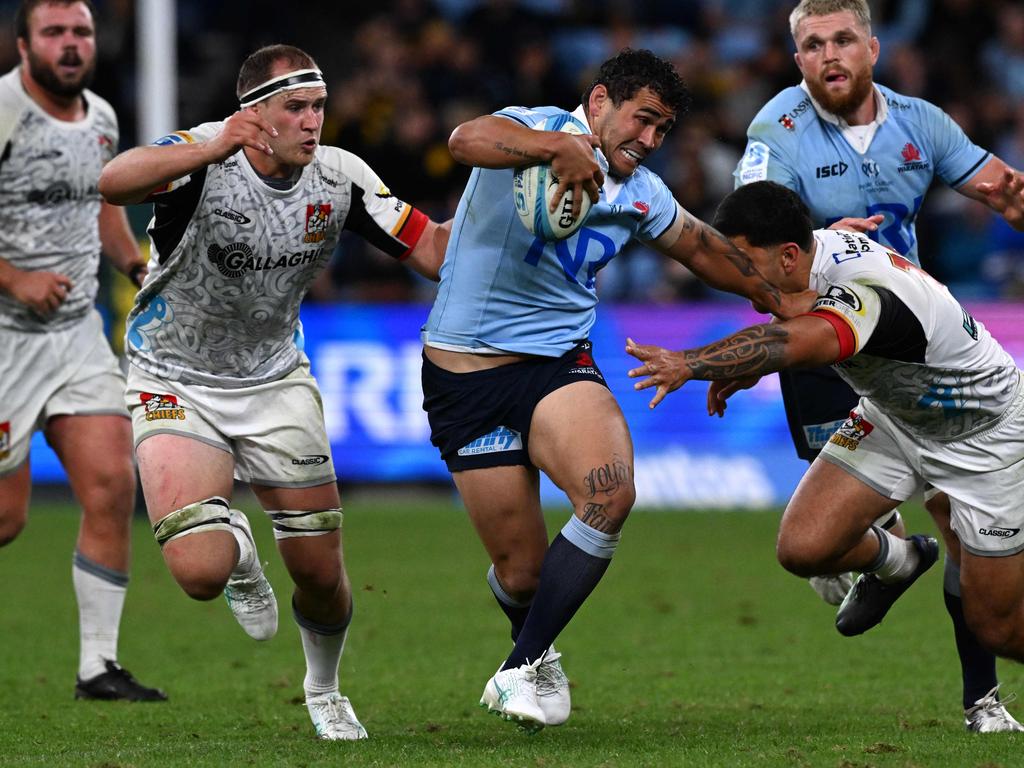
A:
x: 236, y: 259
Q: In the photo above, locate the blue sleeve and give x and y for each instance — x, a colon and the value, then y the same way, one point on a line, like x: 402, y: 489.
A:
x: 662, y: 213
x: 764, y: 158
x: 527, y: 116
x: 957, y: 159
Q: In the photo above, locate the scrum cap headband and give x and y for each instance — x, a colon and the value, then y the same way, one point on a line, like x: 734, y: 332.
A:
x: 300, y: 78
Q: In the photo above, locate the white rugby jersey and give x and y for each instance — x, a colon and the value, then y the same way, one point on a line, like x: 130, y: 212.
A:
x: 905, y: 342
x: 49, y: 202
x: 232, y: 258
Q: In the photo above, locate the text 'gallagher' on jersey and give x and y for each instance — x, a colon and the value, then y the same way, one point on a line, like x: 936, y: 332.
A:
x: 232, y: 257
x: 49, y: 200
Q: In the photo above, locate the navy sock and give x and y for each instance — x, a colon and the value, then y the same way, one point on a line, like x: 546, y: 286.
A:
x: 515, y: 610
x: 574, y: 564
x: 977, y: 664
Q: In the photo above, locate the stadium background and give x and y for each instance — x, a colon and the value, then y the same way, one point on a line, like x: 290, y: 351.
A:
x: 402, y: 74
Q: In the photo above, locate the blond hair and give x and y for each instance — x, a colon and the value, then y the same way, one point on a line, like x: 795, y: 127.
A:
x: 859, y: 8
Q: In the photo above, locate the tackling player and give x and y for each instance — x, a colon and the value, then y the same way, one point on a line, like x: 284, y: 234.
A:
x: 851, y: 147
x: 57, y: 372
x: 940, y: 403
x: 247, y: 212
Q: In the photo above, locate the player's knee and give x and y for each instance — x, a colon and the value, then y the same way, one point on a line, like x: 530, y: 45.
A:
x: 12, y: 522
x: 1002, y: 635
x: 608, y: 512
x: 518, y: 580
x: 798, y: 557
x: 201, y: 585
x: 110, y: 486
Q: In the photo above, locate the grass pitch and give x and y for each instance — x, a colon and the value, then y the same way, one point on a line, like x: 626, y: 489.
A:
x: 697, y: 649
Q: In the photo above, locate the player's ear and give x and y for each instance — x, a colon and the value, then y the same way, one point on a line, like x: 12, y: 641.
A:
x: 874, y: 47
x: 598, y: 99
x: 790, y: 255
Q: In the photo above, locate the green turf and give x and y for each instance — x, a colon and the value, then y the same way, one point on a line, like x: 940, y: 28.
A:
x: 696, y: 650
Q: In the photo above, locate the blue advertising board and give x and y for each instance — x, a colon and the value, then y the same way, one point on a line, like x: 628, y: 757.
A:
x: 367, y: 360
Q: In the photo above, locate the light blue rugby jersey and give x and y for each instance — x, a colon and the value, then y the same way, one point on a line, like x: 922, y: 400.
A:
x: 504, y: 290
x: 796, y: 143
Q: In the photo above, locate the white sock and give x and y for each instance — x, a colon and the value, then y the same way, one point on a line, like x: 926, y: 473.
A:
x: 100, y: 593
x: 897, y: 558
x: 322, y: 645
x: 246, y: 552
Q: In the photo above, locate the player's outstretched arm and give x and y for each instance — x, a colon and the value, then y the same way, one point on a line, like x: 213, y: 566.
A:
x: 718, y: 262
x: 498, y: 142
x: 801, y: 342
x: 133, y: 175
x: 1001, y: 188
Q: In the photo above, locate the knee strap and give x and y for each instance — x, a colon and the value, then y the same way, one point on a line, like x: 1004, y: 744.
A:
x: 289, y: 523
x: 213, y: 514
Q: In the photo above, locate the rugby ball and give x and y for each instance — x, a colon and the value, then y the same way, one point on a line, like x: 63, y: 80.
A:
x: 534, y: 187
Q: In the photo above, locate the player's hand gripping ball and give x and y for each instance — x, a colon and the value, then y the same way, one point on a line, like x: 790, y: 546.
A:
x: 535, y: 186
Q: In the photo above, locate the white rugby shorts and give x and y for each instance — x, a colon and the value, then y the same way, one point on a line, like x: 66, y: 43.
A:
x: 983, y: 473
x: 274, y: 431
x: 67, y: 372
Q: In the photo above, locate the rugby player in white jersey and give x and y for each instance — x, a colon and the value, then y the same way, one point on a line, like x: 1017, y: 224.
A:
x: 246, y: 213
x: 940, y: 403
x: 850, y: 146
x: 57, y: 372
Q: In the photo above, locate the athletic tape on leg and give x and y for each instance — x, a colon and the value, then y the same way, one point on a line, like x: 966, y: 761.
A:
x: 213, y: 514
x: 289, y: 523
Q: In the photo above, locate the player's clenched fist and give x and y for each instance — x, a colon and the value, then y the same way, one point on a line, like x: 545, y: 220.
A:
x: 245, y: 128
x: 42, y: 292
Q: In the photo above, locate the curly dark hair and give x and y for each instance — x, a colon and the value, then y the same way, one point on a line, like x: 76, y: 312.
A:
x: 630, y: 70
x: 766, y: 213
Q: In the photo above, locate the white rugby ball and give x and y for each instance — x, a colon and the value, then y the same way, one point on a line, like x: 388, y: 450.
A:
x: 534, y: 187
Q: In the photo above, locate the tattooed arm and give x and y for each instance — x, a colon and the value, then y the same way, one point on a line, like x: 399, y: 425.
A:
x: 714, y: 259
x: 804, y: 341
x: 499, y: 142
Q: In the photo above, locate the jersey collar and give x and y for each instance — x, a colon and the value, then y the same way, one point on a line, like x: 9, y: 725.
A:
x: 857, y: 136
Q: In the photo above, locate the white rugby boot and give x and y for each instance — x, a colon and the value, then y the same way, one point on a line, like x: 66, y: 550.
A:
x: 333, y: 717
x: 512, y: 695
x: 249, y: 594
x: 553, y: 688
x: 989, y: 715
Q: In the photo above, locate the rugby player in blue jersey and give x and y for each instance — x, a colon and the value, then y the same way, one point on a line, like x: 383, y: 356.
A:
x: 511, y: 387
x: 851, y: 147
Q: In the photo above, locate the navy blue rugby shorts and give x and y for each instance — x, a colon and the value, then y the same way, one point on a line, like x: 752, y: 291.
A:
x: 817, y: 403
x: 482, y: 418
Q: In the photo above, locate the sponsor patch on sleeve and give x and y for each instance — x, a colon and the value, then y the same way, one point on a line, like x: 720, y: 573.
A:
x: 754, y: 165
x: 178, y: 137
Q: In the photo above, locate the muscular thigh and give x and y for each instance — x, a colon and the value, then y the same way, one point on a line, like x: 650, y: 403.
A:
x: 178, y: 470
x: 579, y: 438
x: 992, y: 587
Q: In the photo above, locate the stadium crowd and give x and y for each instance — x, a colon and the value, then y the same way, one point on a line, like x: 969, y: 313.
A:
x: 403, y: 73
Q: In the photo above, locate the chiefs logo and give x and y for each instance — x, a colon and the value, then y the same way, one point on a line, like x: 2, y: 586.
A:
x: 318, y: 215
x: 161, y: 407
x: 853, y: 430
